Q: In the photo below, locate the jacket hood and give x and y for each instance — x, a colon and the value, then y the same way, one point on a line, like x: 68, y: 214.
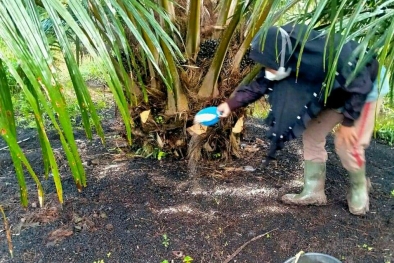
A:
x: 270, y: 49
x: 271, y: 46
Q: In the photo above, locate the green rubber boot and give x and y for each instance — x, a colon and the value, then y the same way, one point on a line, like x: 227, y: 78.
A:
x: 358, y: 196
x: 313, y: 192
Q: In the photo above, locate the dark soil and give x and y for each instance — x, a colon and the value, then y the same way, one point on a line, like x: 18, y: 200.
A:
x: 131, y: 202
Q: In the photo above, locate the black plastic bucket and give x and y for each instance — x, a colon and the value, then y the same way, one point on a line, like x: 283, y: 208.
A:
x: 314, y: 258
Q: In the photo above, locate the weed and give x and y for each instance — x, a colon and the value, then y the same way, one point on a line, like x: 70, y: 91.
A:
x: 188, y: 259
x: 166, y: 241
x: 384, y: 128
x: 102, y: 260
x: 165, y: 261
x: 92, y: 70
x: 392, y: 193
x: 159, y: 154
x: 159, y: 119
x: 24, y: 115
x: 216, y: 155
x: 365, y: 246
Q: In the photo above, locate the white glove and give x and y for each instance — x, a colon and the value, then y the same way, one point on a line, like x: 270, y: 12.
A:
x: 224, y: 110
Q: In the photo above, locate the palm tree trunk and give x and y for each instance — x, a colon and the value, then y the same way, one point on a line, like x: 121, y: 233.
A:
x: 193, y: 29
x: 176, y: 98
x: 251, y: 33
x: 222, y: 19
x: 209, y: 84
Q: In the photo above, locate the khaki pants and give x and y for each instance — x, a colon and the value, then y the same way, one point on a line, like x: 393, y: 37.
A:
x: 314, y: 137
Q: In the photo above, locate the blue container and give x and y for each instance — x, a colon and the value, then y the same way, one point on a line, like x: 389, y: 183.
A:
x: 314, y: 258
x: 208, y: 116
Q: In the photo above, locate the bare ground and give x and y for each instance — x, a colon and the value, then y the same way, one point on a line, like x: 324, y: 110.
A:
x: 130, y: 203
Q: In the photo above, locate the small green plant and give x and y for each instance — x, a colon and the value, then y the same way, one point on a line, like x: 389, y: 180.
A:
x: 102, y: 260
x: 392, y: 193
x: 365, y: 246
x: 159, y: 154
x: 188, y: 259
x: 165, y: 261
x: 216, y: 155
x: 166, y: 241
x: 159, y: 119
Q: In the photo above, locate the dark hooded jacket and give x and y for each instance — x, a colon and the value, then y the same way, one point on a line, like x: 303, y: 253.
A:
x: 295, y: 100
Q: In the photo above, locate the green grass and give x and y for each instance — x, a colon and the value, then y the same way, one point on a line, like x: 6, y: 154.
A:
x: 91, y: 71
x: 259, y: 109
x: 384, y: 127
x: 24, y: 116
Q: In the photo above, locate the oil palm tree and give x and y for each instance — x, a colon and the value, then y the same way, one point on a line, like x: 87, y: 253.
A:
x: 164, y: 60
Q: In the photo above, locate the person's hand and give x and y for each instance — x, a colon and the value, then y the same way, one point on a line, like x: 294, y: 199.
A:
x: 347, y: 135
x: 224, y: 110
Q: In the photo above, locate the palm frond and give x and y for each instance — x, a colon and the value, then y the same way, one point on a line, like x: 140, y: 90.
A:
x: 24, y: 34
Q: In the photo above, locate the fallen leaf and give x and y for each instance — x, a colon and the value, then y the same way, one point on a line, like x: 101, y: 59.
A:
x: 197, y: 129
x: 96, y: 161
x: 144, y: 116
x: 251, y: 149
x: 160, y: 142
x: 60, y: 234
x: 77, y: 219
x: 179, y: 143
x: 249, y: 168
x: 208, y: 147
x: 103, y: 215
x: 178, y: 254
x: 239, y: 125
x: 260, y: 141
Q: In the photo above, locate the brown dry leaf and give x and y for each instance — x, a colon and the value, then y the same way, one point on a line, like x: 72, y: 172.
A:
x: 179, y: 143
x: 59, y: 234
x: 44, y: 215
x: 144, y: 116
x: 197, y: 129
x: 160, y: 142
x: 208, y: 147
x: 177, y: 253
x: 233, y: 169
x: 239, y: 126
x: 251, y: 149
x: 260, y: 141
x: 120, y: 159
